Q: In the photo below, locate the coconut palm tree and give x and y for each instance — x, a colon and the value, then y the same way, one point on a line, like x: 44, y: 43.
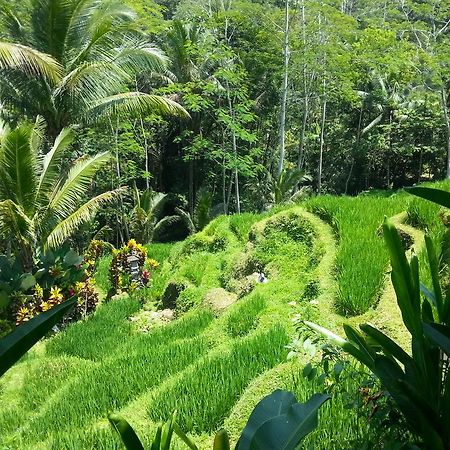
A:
x: 76, y: 64
x: 42, y: 205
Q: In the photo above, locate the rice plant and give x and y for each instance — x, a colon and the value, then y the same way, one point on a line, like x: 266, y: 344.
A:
x: 244, y: 317
x: 362, y: 257
x: 204, y: 395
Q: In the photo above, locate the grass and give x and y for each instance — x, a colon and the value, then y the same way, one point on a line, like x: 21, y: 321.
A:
x: 104, y: 364
x: 203, y: 402
x: 211, y: 367
x: 245, y: 317
x: 362, y: 256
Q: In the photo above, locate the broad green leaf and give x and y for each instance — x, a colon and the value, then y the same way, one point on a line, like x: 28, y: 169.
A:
x: 439, y: 334
x: 28, y: 281
x: 269, y: 407
x: 72, y: 258
x: 435, y: 195
x: 286, y: 431
x: 434, y: 270
x: 18, y: 342
x: 388, y: 345
x: 126, y: 432
x: 4, y: 300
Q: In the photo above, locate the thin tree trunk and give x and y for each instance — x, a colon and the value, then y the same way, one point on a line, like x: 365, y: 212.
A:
x: 358, y: 139
x: 322, y: 143
x: 230, y: 187
x: 191, y: 187
x: 419, y: 176
x: 284, y: 90
x: 390, y: 151
x: 147, y: 169
x: 301, y: 151
x: 224, y: 188
x: 120, y: 216
x: 234, y: 146
x: 447, y: 125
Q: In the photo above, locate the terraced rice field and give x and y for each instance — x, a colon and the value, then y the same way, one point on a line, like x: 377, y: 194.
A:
x: 226, y: 349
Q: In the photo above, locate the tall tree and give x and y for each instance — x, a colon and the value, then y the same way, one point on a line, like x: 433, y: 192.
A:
x: 79, y: 41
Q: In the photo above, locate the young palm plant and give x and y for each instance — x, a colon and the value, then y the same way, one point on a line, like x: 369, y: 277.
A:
x: 148, y: 207
x: 40, y: 204
x: 284, y: 186
x: 76, y: 64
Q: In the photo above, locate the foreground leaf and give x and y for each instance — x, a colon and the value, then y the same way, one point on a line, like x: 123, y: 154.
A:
x: 17, y: 343
x: 126, y: 432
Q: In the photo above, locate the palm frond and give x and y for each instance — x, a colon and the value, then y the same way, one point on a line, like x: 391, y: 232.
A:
x: 13, y: 24
x: 165, y: 222
x: 37, y: 135
x: 50, y: 21
x: 82, y: 215
x: 66, y: 197
x: 79, y: 22
x: 51, y: 166
x: 154, y: 202
x: 135, y: 104
x: 99, y: 30
x: 14, y: 223
x: 17, y: 167
x: 187, y: 219
x: 88, y: 84
x: 137, y: 56
x: 30, y: 61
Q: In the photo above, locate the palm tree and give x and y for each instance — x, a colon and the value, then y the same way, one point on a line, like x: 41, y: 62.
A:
x: 76, y: 64
x: 148, y: 207
x: 41, y: 205
x: 284, y: 186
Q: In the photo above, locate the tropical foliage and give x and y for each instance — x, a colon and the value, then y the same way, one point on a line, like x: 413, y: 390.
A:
x: 41, y: 204
x: 56, y: 68
x: 278, y: 422
x: 418, y: 382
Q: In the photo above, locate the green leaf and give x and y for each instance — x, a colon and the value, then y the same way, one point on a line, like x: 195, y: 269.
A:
x: 286, y: 431
x: 434, y: 270
x: 27, y: 282
x: 167, y: 433
x: 126, y: 432
x: 182, y: 435
x: 156, y: 444
x: 221, y: 441
x: 407, y: 298
x: 269, y: 407
x: 439, y: 334
x: 387, y: 344
x: 17, y: 343
x: 72, y: 258
x: 435, y: 195
x: 4, y: 300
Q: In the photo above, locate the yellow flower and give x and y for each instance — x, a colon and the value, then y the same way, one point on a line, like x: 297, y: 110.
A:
x: 38, y: 291
x: 23, y: 315
x: 56, y: 295
x: 132, y: 243
x: 152, y: 263
x: 45, y: 306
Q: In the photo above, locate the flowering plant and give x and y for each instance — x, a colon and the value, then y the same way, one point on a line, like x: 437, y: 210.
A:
x: 120, y: 271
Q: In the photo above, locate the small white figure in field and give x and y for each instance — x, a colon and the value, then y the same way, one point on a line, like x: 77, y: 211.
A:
x: 262, y: 278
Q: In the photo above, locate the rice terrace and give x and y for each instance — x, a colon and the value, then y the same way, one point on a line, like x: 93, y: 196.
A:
x: 224, y: 224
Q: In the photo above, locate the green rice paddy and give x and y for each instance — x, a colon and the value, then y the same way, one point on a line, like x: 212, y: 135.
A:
x: 226, y: 347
